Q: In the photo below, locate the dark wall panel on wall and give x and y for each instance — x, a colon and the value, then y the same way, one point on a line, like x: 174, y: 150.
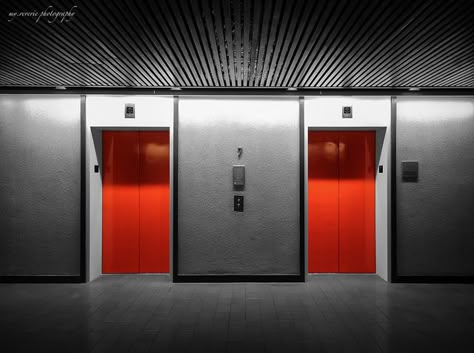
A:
x: 213, y: 239
x: 40, y: 185
x: 435, y: 223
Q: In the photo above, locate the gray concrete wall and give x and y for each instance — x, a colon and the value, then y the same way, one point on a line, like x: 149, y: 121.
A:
x: 435, y: 216
x: 213, y: 238
x: 40, y: 185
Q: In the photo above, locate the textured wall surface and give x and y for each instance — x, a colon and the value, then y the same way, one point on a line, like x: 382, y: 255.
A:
x: 435, y: 216
x: 213, y: 239
x: 40, y: 185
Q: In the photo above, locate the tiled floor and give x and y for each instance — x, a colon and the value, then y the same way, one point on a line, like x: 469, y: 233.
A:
x: 150, y: 314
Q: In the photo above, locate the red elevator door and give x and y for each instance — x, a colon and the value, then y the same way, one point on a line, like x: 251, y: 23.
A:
x: 341, y: 201
x: 135, y: 202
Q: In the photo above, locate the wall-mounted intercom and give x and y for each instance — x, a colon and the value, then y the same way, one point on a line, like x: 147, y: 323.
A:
x: 410, y: 171
x: 129, y: 111
x: 238, y: 175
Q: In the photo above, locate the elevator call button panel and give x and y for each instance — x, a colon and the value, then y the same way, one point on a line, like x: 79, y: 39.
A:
x: 238, y: 174
x: 238, y: 203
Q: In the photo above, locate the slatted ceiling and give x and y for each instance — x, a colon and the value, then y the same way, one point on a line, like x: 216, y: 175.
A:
x: 330, y: 38
x: 420, y: 33
x: 241, y: 43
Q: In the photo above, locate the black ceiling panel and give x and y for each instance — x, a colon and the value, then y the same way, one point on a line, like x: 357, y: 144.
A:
x: 238, y: 43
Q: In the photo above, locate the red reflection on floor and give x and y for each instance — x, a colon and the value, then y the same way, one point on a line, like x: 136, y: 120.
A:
x: 341, y: 201
x: 135, y: 202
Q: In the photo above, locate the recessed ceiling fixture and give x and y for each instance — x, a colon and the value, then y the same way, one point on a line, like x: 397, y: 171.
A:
x: 176, y: 88
x: 60, y: 87
x: 292, y: 89
x: 413, y: 89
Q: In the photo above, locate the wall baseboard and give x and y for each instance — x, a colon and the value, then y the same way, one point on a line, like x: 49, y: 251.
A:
x: 236, y: 278
x: 41, y: 279
x: 433, y: 279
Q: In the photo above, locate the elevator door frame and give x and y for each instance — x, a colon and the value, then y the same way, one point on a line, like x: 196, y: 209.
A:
x: 97, y: 141
x: 382, y: 134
